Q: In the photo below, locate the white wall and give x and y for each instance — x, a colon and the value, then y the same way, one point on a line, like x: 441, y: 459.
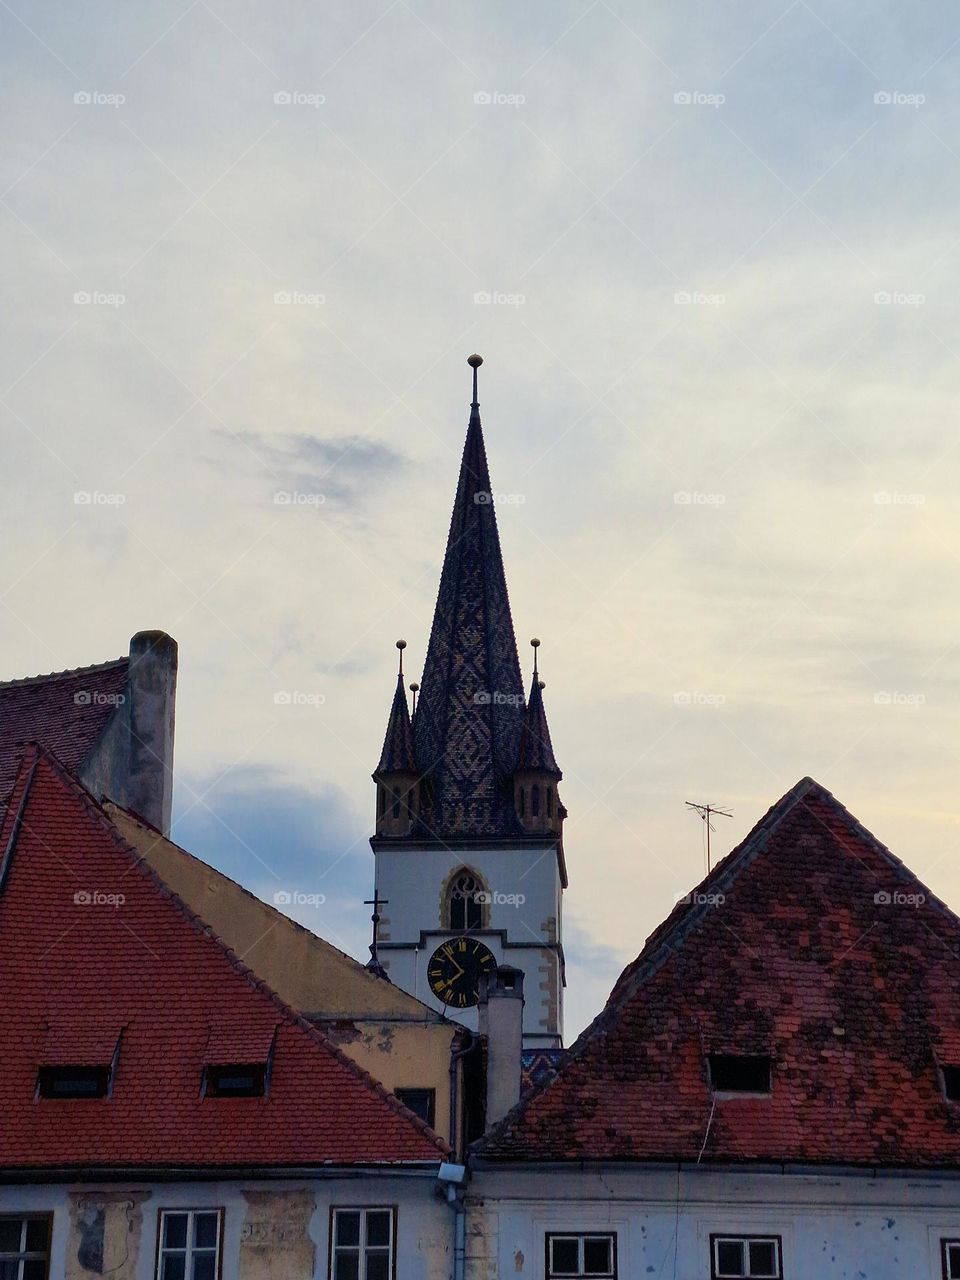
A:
x: 424, y: 1224
x: 844, y: 1227
x: 412, y: 881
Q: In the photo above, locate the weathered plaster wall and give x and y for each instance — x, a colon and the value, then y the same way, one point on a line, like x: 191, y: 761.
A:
x: 272, y: 1230
x: 847, y: 1227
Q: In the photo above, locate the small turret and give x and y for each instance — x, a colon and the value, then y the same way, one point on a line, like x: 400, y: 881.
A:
x: 536, y: 775
x: 397, y: 776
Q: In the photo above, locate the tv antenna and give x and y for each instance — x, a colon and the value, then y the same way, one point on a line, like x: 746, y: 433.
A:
x: 706, y: 812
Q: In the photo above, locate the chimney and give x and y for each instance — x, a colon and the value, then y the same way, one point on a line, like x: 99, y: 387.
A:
x: 501, y: 1013
x: 151, y: 692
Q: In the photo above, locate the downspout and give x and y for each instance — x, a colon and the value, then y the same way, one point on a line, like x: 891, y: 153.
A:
x: 459, y: 1239
x: 469, y: 1045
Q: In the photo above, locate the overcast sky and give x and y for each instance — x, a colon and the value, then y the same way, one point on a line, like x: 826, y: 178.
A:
x: 715, y: 248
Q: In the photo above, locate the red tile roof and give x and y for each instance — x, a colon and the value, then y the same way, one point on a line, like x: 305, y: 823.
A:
x: 66, y: 711
x: 812, y: 943
x: 88, y: 933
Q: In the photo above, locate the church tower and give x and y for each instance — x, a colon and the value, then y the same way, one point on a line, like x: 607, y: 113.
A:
x: 469, y: 824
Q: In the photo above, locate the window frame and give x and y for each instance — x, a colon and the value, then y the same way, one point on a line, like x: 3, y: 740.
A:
x: 714, y: 1061
x: 745, y: 1238
x: 946, y: 1242
x: 431, y: 1116
x: 581, y: 1236
x: 190, y: 1211
x: 452, y: 896
x: 363, y: 1210
x: 33, y: 1255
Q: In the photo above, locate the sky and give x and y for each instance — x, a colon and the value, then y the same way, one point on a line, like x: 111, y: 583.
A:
x: 709, y: 252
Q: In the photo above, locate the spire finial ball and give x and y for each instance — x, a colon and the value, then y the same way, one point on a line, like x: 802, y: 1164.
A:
x: 414, y: 688
x: 474, y: 361
x: 401, y: 644
x: 535, y: 643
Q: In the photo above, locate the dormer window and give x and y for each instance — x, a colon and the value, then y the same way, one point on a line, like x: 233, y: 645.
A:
x: 740, y: 1073
x: 237, y: 1063
x: 73, y: 1082
x: 79, y: 1060
x: 951, y: 1083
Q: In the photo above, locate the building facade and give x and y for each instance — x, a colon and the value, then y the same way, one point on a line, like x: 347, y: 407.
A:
x: 469, y: 821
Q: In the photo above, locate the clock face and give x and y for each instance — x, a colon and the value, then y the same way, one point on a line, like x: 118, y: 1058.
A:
x: 455, y: 970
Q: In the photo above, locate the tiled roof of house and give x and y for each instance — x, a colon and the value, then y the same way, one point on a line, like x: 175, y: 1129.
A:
x: 66, y: 711
x: 811, y: 944
x: 470, y: 710
x: 89, y: 933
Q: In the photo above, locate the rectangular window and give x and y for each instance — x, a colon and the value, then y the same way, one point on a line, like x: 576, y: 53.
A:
x: 951, y: 1259
x: 422, y: 1102
x: 243, y: 1080
x: 757, y: 1257
x: 362, y: 1244
x: 189, y: 1244
x: 740, y: 1073
x: 951, y: 1083
x: 73, y: 1082
x: 25, y: 1246
x: 577, y: 1255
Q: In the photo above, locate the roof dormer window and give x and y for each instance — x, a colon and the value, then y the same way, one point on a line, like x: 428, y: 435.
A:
x: 747, y: 1073
x: 951, y: 1083
x: 237, y: 1062
x: 73, y: 1081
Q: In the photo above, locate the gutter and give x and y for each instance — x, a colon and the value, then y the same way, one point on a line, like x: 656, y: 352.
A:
x: 14, y: 1176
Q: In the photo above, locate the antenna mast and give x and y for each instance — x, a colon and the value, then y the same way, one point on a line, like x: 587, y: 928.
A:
x: 706, y: 812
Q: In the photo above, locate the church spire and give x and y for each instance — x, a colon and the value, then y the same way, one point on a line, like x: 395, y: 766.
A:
x: 396, y: 774
x: 470, y: 710
x: 537, y: 773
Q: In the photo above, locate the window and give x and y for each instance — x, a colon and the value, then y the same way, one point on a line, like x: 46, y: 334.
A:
x: 422, y: 1102
x: 951, y: 1259
x: 73, y: 1082
x: 362, y: 1244
x: 396, y: 802
x: 549, y: 802
x: 236, y: 1080
x: 951, y: 1083
x: 189, y: 1244
x: 753, y: 1256
x: 535, y: 801
x: 464, y: 905
x: 736, y: 1073
x: 581, y: 1255
x: 25, y: 1247
x: 523, y: 802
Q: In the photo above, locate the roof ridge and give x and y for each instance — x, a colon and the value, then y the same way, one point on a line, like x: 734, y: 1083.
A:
x: 60, y: 675
x: 289, y: 920
x: 288, y: 1012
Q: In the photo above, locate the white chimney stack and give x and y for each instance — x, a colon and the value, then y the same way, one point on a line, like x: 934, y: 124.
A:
x: 501, y: 1017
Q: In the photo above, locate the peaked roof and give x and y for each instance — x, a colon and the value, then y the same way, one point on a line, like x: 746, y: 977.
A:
x: 536, y: 749
x: 470, y: 710
x: 810, y: 943
x: 66, y: 711
x: 88, y: 932
x: 397, y: 754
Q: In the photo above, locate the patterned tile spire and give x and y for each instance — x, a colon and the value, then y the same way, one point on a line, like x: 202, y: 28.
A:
x: 470, y: 710
x: 536, y: 749
x: 397, y: 755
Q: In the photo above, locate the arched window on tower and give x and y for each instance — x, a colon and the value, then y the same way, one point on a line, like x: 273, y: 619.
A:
x: 523, y: 802
x: 464, y: 905
x: 396, y: 802
x: 549, y: 802
x: 535, y: 801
